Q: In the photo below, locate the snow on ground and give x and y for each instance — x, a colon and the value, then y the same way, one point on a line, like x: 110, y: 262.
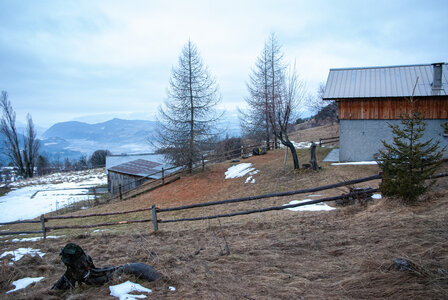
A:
x: 239, y: 170
x: 376, y: 196
x: 18, y: 204
x: 172, y: 288
x: 75, y: 176
x: 300, y: 145
x: 242, y: 170
x: 312, y: 207
x: 122, y: 290
x: 19, y: 253
x: 35, y: 239
x: 24, y: 282
x: 355, y: 163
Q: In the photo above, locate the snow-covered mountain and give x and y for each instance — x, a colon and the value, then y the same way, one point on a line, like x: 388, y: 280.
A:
x: 116, y: 135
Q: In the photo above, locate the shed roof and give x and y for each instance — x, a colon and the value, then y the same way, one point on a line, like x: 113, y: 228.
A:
x: 378, y: 82
x: 138, y: 167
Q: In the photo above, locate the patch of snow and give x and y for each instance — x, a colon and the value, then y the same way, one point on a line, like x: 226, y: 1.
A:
x: 24, y: 282
x: 312, y: 207
x: 239, y: 170
x: 122, y: 290
x: 37, y: 238
x: 254, y: 172
x: 355, y: 163
x: 253, y: 181
x: 18, y: 204
x: 314, y: 195
x: 19, y: 253
x: 100, y: 230
x: 248, y: 179
x: 376, y: 196
x: 172, y: 288
x: 301, y: 145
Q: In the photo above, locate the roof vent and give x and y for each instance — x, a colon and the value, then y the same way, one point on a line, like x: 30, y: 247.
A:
x: 437, y: 80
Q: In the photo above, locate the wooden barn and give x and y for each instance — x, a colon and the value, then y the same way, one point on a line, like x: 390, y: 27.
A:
x: 130, y: 171
x: 370, y: 98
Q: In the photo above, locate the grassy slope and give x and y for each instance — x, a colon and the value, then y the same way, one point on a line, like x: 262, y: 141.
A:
x: 345, y: 253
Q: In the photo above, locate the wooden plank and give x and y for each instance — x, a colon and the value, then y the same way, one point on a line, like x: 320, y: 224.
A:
x: 391, y: 108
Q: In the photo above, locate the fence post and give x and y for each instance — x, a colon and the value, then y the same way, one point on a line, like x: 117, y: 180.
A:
x: 163, y: 176
x: 154, y: 217
x: 203, y: 162
x: 242, y: 151
x: 119, y: 191
x: 44, y: 230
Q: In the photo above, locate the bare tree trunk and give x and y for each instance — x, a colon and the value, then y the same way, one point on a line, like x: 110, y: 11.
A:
x: 190, y: 154
x: 285, y: 141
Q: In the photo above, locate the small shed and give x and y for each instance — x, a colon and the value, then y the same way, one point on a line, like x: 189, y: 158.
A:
x: 131, y: 174
x: 370, y: 98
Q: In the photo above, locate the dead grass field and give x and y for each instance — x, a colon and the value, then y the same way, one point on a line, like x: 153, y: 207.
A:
x: 342, y: 254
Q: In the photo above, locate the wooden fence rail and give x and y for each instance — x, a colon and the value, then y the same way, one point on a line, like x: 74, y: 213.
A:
x: 97, y: 225
x: 329, y: 140
x: 270, y: 195
x: 156, y: 210
x: 253, y: 211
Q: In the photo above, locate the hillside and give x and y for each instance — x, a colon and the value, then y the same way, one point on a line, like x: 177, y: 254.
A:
x: 346, y: 253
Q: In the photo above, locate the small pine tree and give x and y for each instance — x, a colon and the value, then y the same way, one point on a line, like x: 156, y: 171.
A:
x: 408, y: 162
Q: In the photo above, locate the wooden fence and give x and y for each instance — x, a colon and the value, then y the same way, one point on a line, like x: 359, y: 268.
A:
x: 155, y: 211
x: 173, y: 173
x: 167, y: 177
x: 329, y: 140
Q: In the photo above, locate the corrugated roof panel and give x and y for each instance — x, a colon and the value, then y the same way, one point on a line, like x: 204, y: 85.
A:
x: 393, y: 81
x: 138, y: 167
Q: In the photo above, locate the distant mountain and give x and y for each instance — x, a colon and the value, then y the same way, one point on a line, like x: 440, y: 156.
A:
x: 74, y: 139
x: 56, y: 148
x: 116, y: 135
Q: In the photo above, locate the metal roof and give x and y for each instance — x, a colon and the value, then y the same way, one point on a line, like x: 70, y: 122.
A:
x: 138, y: 167
x: 391, y: 81
x: 115, y: 160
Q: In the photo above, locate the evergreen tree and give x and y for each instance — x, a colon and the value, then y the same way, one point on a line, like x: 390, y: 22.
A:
x: 188, y: 117
x: 408, y: 162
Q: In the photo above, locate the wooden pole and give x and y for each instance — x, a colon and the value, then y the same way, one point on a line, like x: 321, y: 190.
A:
x: 119, y: 191
x: 286, y: 157
x: 203, y: 163
x: 154, y: 218
x: 163, y: 176
x: 44, y: 230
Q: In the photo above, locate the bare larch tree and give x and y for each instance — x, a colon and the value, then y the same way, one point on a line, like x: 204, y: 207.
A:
x: 23, y: 159
x: 188, y: 116
x: 275, y: 94
x: 290, y: 97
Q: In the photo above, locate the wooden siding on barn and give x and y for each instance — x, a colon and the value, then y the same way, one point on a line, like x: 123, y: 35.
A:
x: 127, y: 182
x: 389, y: 109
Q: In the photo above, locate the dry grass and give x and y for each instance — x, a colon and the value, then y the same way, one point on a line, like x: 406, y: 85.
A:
x: 341, y: 254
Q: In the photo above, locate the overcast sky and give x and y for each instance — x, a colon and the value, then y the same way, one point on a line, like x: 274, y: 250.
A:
x: 95, y: 60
